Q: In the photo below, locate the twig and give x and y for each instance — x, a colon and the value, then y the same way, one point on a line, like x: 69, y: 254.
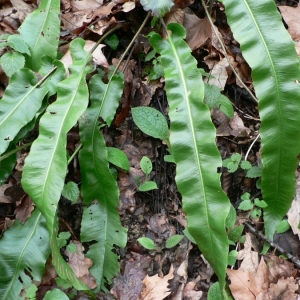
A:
x: 246, y: 156
x: 6, y: 155
x: 291, y: 257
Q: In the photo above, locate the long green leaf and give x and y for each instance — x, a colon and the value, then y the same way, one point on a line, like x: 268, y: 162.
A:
x: 21, y: 101
x: 40, y: 31
x: 270, y: 52
x: 24, y: 250
x: 101, y: 223
x: 193, y: 146
x: 46, y: 165
x: 98, y: 184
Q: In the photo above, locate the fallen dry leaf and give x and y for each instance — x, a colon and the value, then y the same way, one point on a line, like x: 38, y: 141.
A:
x: 80, y: 265
x: 156, y: 288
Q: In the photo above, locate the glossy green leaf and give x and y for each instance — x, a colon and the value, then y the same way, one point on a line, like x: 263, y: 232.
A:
x: 173, y: 240
x: 260, y: 203
x: 118, y: 158
x: 146, y: 165
x: 101, y: 223
x: 20, y: 102
x: 19, y: 245
x: 147, y: 243
x: 31, y: 292
x: 46, y: 165
x: 12, y: 62
x: 40, y: 31
x: 270, y: 52
x: 105, y: 97
x: 193, y: 145
x: 150, y: 121
x: 148, y: 186
x: 159, y: 8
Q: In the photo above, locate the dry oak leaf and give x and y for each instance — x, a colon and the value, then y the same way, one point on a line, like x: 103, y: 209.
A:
x: 247, y: 285
x: 156, y: 288
x: 80, y: 265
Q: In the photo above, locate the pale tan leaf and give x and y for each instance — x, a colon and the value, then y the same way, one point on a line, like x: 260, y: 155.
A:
x: 156, y: 288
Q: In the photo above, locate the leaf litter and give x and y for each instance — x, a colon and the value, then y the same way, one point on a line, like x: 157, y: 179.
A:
x: 179, y: 273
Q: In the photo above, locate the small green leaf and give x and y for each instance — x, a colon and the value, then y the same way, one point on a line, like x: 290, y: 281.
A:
x: 17, y: 43
x: 235, y: 233
x: 245, y: 196
x: 56, y: 294
x: 211, y: 95
x: 118, y: 158
x: 231, y: 217
x: 72, y: 248
x: 157, y: 72
x: 236, y: 157
x: 232, y: 257
x: 62, y: 283
x: 256, y: 213
x: 71, y: 191
x: 243, y: 239
x: 112, y: 41
x: 283, y: 226
x: 173, y: 240
x: 31, y: 292
x: 189, y: 236
x: 232, y: 166
x: 245, y: 165
x: 225, y: 106
x: 146, y: 165
x: 169, y: 158
x: 12, y: 62
x: 260, y: 203
x: 159, y: 8
x: 150, y: 121
x: 150, y: 55
x: 62, y: 238
x: 147, y: 243
x: 148, y: 186
x: 254, y: 172
x: 246, y: 205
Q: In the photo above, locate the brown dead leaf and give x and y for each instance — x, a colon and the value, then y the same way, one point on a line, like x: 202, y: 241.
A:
x: 218, y: 70
x: 80, y: 265
x: 294, y: 212
x: 198, y: 30
x: 249, y: 257
x: 98, y: 57
x: 3, y: 197
x: 286, y: 288
x: 128, y: 285
x: 24, y: 209
x: 280, y: 268
x: 156, y: 288
x: 159, y: 224
x: 245, y: 285
x: 189, y: 292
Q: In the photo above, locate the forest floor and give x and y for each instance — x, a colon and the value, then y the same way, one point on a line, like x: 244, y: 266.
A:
x: 158, y: 214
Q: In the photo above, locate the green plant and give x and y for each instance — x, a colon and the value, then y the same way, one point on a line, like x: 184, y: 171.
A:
x: 171, y: 242
x: 255, y: 205
x: 56, y: 103
x: 146, y: 166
